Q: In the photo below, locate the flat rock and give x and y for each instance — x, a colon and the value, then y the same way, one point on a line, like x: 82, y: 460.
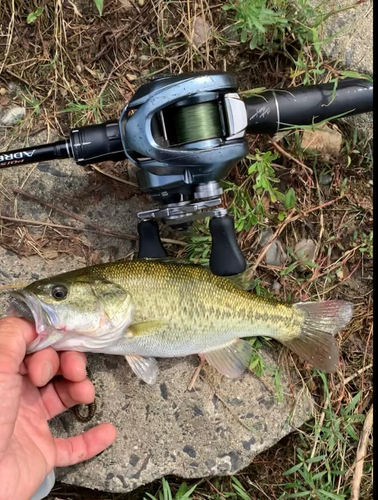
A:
x: 349, y: 34
x: 163, y: 429
x: 215, y: 430
x: 325, y: 141
x: 13, y: 115
x: 348, y: 39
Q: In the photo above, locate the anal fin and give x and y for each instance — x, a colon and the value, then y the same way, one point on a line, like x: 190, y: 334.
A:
x: 144, y: 368
x: 231, y: 360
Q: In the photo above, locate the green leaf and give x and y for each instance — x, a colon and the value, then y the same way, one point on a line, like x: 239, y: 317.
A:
x: 31, y: 18
x: 302, y: 494
x: 289, y: 269
x: 319, y: 475
x: 313, y: 460
x: 100, y: 6
x: 166, y: 490
x: 290, y: 199
x: 351, y: 432
x: 281, y: 216
x: 354, y: 74
x: 183, y: 493
x: 310, y: 263
x: 238, y: 487
x: 352, y: 405
x: 293, y: 469
x: 333, y: 496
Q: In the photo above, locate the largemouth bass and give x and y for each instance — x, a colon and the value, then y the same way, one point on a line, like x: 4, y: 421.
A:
x: 143, y: 309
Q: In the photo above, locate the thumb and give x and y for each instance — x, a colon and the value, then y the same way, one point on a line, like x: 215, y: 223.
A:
x: 15, y: 334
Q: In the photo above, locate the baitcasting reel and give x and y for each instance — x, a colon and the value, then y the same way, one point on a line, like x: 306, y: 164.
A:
x: 185, y: 133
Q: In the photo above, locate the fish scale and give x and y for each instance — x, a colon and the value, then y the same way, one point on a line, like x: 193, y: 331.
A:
x: 195, y: 303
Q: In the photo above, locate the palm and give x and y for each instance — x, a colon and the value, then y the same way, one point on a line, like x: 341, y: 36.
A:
x: 29, y: 397
x: 32, y: 451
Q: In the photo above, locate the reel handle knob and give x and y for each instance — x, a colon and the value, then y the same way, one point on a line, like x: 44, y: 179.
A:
x: 150, y: 245
x: 226, y: 258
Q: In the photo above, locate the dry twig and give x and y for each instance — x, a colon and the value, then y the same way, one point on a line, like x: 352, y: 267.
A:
x: 361, y: 453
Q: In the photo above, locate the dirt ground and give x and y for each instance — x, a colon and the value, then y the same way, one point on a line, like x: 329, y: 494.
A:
x: 72, y: 67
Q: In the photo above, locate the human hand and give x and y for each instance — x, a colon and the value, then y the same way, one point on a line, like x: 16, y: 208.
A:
x: 29, y: 398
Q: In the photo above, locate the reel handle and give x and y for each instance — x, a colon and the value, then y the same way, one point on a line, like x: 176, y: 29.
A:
x: 150, y: 245
x: 226, y: 258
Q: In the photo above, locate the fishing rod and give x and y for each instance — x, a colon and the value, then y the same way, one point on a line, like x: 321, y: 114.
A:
x: 185, y: 133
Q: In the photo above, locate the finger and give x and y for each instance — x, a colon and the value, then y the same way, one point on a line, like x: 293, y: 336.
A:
x: 73, y: 366
x: 62, y: 394
x: 15, y: 334
x: 42, y: 366
x: 76, y: 449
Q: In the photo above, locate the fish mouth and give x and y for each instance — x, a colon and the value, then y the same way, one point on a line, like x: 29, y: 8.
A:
x: 26, y: 305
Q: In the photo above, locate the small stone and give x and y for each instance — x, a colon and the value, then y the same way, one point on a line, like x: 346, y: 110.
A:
x: 126, y: 4
x: 275, y: 255
x: 340, y: 273
x: 325, y: 179
x: 3, y: 91
x: 12, y: 116
x: 201, y: 29
x: 51, y: 254
x: 324, y: 140
x: 305, y: 250
x: 141, y: 3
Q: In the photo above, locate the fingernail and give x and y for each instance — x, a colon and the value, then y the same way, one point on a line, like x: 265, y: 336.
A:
x: 47, y: 372
x: 82, y: 361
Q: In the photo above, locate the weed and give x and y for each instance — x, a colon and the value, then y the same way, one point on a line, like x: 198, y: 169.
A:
x: 239, y: 489
x: 288, y: 26
x: 183, y: 492
x: 81, y: 113
x: 257, y: 24
x: 31, y: 101
x: 321, y: 471
x: 366, y: 245
x: 100, y: 6
x: 33, y: 16
x: 199, y: 244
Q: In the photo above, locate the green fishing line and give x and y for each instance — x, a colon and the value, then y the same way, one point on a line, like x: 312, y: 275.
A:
x: 194, y: 123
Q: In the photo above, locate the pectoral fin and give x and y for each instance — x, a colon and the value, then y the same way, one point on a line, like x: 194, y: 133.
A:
x: 144, y: 368
x: 231, y: 360
x: 144, y: 328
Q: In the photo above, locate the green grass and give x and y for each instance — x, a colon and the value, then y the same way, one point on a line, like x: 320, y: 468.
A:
x: 288, y: 26
x: 324, y: 457
x: 182, y: 493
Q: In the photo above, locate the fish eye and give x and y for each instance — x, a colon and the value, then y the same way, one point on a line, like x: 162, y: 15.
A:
x: 59, y: 292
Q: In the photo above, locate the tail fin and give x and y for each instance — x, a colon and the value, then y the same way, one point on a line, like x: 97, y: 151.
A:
x: 316, y: 342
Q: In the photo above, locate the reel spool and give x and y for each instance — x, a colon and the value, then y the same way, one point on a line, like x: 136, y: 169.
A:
x: 188, y: 123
